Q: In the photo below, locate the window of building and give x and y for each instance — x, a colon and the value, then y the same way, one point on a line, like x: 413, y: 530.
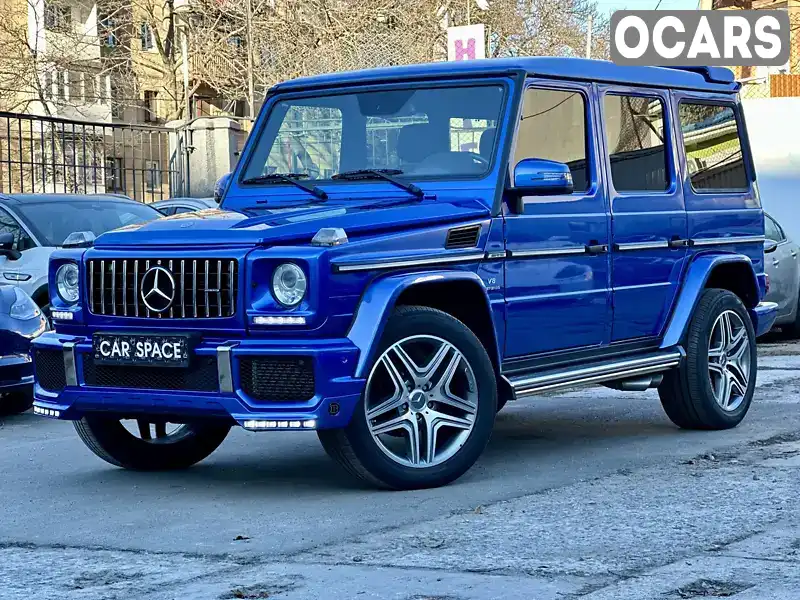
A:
x: 150, y: 100
x: 107, y: 28
x: 713, y: 147
x: 47, y: 86
x: 57, y: 17
x: 146, y: 35
x: 553, y: 127
x: 90, y: 87
x: 115, y: 175
x: 153, y: 175
x: 75, y: 85
x: 61, y: 88
x: 636, y: 143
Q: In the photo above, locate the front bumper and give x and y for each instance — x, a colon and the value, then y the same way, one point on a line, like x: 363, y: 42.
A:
x: 336, y: 391
x: 16, y: 371
x: 763, y: 317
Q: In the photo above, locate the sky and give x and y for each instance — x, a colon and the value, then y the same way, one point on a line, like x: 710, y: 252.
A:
x: 608, y: 6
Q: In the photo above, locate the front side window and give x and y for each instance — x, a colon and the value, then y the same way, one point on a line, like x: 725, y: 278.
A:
x: 9, y: 225
x: 553, y: 127
x: 636, y: 143
x: 772, y: 230
x: 52, y: 222
x: 713, y: 147
x: 420, y: 132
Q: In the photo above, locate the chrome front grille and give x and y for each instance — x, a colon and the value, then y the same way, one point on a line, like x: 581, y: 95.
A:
x: 204, y: 288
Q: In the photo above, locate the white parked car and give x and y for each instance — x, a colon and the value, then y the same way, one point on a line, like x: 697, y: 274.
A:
x: 33, y: 225
x: 782, y: 265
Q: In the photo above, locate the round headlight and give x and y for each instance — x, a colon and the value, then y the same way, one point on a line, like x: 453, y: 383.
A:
x: 289, y: 284
x: 67, y: 282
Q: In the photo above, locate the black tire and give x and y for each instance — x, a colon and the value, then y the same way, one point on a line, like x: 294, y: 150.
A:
x: 686, y: 392
x: 112, y: 442
x: 356, y: 450
x: 16, y: 402
x: 792, y: 330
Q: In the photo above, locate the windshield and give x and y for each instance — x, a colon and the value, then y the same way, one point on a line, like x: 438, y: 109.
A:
x: 422, y: 132
x: 52, y: 222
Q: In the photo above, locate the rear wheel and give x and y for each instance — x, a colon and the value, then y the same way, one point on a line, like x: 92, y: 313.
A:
x: 13, y: 403
x: 428, y: 406
x: 713, y: 387
x: 792, y: 330
x: 144, y: 445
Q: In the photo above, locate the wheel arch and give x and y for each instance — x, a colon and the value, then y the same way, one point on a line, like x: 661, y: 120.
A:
x: 41, y: 295
x: 458, y: 293
x: 732, y: 272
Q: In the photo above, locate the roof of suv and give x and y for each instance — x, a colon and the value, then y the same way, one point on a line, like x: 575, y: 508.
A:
x: 708, y: 79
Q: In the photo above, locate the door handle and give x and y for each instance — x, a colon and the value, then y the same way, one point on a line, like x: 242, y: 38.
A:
x: 794, y: 254
x: 775, y: 263
x: 594, y: 248
x: 677, y: 242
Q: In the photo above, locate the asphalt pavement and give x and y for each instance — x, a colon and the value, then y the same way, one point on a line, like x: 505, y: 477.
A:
x: 587, y: 494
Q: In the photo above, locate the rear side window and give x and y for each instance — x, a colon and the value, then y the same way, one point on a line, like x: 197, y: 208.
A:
x: 713, y: 147
x: 636, y: 143
x: 553, y: 127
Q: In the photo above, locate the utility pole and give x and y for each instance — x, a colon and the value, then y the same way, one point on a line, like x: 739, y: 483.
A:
x: 469, y: 22
x: 249, y: 35
x: 589, y: 37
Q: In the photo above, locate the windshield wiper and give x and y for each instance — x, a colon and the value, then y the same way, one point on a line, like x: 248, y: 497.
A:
x: 293, y: 178
x: 385, y: 174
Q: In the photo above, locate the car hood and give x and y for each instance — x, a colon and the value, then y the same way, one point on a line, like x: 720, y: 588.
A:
x: 284, y: 224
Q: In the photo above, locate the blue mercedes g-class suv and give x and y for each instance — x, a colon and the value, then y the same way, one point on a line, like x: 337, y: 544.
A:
x: 401, y: 251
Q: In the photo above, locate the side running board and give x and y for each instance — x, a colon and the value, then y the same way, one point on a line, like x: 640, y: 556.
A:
x: 608, y: 370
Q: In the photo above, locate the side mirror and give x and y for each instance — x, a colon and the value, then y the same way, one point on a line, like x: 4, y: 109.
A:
x: 79, y: 239
x: 7, y: 247
x: 538, y: 176
x: 770, y: 246
x: 219, y: 187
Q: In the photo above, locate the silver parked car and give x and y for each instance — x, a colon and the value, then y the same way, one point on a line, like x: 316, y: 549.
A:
x: 176, y: 206
x: 782, y: 264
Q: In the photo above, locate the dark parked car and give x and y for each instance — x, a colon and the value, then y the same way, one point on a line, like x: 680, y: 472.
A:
x: 20, y: 322
x: 177, y: 206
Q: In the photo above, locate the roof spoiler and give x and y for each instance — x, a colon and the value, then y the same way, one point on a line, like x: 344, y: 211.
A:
x: 711, y: 74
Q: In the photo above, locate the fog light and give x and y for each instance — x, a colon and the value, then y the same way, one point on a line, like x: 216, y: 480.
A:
x: 279, y: 320
x: 254, y: 424
x: 62, y: 315
x: 46, y: 412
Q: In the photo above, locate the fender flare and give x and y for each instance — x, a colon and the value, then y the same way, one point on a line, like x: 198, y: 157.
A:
x: 694, y: 282
x: 378, y: 302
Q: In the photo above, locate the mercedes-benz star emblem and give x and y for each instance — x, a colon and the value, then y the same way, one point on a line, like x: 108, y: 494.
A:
x: 158, y: 289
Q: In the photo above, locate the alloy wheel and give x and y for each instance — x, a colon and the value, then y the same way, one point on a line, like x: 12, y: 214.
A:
x: 421, y: 401
x: 729, y: 358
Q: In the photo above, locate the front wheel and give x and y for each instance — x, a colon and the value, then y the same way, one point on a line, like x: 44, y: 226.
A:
x: 714, y: 386
x: 150, y: 446
x: 428, y: 407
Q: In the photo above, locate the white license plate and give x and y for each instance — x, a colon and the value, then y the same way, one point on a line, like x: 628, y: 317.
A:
x: 140, y: 349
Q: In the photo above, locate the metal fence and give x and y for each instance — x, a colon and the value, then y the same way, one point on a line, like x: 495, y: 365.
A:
x: 43, y: 154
